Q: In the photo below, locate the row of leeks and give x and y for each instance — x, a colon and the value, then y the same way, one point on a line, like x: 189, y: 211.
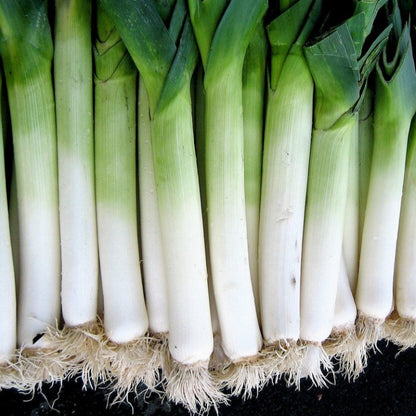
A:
x: 205, y: 196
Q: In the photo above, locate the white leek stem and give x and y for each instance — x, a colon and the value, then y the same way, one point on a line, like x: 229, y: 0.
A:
x: 405, y: 282
x: 190, y: 331
x: 324, y: 225
x: 27, y: 53
x: 37, y: 194
x: 73, y: 95
x: 227, y: 228
x: 345, y: 309
x: 285, y: 175
x: 7, y: 279
x: 351, y: 239
x: 14, y: 226
x: 394, y: 108
x: 374, y: 294
x: 151, y: 241
x: 125, y: 315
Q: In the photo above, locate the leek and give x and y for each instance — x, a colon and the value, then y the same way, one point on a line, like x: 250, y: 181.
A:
x: 166, y: 58
x: 365, y: 144
x: 403, y: 325
x: 125, y: 314
x: 74, y: 119
x: 115, y: 136
x: 151, y: 244
x: 26, y: 50
x: 254, y: 82
x: 394, y: 107
x: 7, y: 276
x: 340, y: 69
x: 351, y: 238
x: 222, y: 40
x: 288, y: 135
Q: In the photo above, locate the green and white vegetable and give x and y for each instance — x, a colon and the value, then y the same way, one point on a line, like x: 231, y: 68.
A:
x: 7, y: 276
x: 125, y: 315
x: 172, y: 51
x: 254, y: 83
x: 394, y: 107
x: 207, y: 208
x: 74, y: 119
x: 27, y: 51
x: 339, y: 68
x: 222, y: 41
x: 154, y: 275
x: 404, y: 332
x: 288, y: 135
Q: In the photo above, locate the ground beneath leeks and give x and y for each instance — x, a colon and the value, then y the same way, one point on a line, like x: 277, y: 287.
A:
x: 388, y: 387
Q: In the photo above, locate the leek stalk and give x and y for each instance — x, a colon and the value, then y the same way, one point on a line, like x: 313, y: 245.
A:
x: 27, y: 52
x: 166, y: 58
x: 7, y: 275
x: 74, y: 119
x: 394, y: 108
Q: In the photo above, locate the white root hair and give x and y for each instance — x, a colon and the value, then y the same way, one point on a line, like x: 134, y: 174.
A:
x: 348, y: 351
x: 193, y: 386
x: 136, y: 366
x: 282, y: 361
x: 401, y: 331
x: 316, y: 365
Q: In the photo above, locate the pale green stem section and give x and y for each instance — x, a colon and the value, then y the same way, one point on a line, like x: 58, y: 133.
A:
x: 351, y: 239
x: 405, y: 267
x: 7, y: 276
x: 254, y: 72
x: 125, y: 315
x: 324, y: 226
x: 374, y: 294
x: 14, y: 225
x: 366, y: 134
x: 227, y: 228
x: 200, y: 137
x: 34, y: 138
x: 74, y: 117
x: 201, y: 158
x: 151, y: 240
x: 190, y: 331
x: 285, y: 175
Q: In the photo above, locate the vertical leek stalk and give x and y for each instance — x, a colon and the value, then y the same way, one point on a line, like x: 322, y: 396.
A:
x: 254, y: 82
x: 154, y: 274
x: 7, y: 277
x: 217, y: 357
x: 125, y: 314
x: 343, y: 343
x: 27, y: 51
x: 394, y: 107
x: 14, y: 225
x: 340, y: 69
x: 403, y: 325
x: 151, y: 244
x: 288, y: 135
x: 223, y: 31
x: 365, y: 144
x: 74, y: 120
x: 351, y: 239
x: 166, y: 58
